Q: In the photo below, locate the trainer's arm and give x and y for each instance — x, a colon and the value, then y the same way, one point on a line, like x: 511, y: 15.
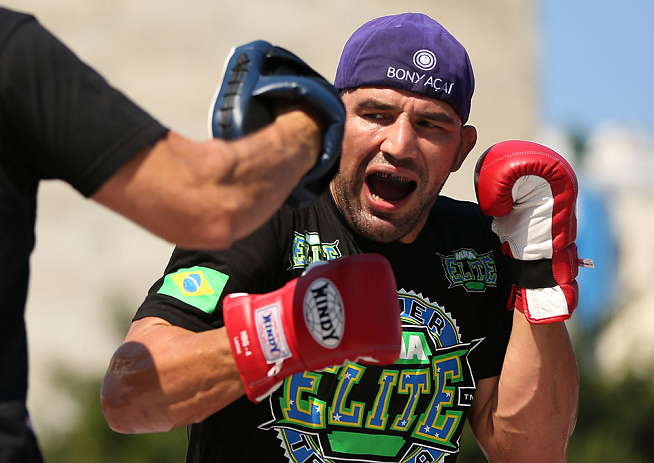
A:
x: 163, y: 377
x: 528, y: 413
x: 208, y: 194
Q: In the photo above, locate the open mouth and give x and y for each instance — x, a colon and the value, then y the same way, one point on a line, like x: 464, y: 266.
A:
x: 389, y: 187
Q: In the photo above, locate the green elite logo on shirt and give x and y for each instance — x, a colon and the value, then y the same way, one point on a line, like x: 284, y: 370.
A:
x: 412, y: 411
x: 308, y: 248
x: 199, y: 287
x: 470, y: 270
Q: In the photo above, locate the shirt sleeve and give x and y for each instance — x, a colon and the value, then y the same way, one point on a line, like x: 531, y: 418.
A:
x: 67, y: 122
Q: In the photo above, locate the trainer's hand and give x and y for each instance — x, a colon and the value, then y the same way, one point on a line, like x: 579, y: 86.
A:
x: 532, y: 192
x: 258, y: 78
x: 337, y: 311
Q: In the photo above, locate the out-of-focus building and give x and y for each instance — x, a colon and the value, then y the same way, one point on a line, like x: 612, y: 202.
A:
x: 620, y: 161
x: 169, y: 58
x: 616, y: 228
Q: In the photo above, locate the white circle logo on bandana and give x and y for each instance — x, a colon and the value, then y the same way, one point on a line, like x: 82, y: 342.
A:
x: 424, y: 59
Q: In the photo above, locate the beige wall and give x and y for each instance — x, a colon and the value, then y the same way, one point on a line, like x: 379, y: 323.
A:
x: 168, y: 56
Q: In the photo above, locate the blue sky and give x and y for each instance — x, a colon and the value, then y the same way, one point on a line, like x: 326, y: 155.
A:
x: 597, y: 63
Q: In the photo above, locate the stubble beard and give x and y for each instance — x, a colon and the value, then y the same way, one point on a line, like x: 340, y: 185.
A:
x: 374, y: 225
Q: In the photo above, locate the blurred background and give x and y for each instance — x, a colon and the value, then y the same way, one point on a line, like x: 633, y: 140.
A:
x: 571, y: 74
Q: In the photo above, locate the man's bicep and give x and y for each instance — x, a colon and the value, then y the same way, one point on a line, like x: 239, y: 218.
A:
x: 144, y: 339
x: 144, y: 327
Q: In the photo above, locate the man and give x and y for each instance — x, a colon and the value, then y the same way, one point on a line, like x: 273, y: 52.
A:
x: 407, y: 86
x: 60, y: 119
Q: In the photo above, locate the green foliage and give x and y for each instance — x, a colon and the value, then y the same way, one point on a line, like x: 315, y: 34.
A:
x: 615, y: 421
x: 470, y: 452
x: 92, y: 441
x: 616, y: 416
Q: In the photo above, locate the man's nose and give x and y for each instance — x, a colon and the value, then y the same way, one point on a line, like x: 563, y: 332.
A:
x: 400, y: 139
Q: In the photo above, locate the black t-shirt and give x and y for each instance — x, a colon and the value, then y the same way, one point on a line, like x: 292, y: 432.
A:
x: 59, y: 119
x: 452, y: 290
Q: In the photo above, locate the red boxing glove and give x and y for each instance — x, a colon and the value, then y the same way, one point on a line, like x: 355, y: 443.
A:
x: 345, y: 309
x: 531, y: 191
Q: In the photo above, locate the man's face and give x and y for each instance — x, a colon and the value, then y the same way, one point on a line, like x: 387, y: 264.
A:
x: 398, y: 149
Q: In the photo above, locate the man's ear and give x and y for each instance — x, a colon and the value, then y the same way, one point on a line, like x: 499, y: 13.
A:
x: 468, y: 142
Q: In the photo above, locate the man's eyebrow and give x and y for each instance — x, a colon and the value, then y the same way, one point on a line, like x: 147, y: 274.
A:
x: 372, y: 103
x: 436, y: 116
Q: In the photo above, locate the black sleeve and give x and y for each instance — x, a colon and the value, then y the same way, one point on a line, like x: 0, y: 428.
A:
x: 67, y: 121
x: 195, y: 282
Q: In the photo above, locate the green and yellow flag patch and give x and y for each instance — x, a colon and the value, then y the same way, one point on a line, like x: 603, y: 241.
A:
x: 200, y: 287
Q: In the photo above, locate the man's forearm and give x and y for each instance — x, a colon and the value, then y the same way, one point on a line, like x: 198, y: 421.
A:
x: 537, y: 394
x: 208, y: 194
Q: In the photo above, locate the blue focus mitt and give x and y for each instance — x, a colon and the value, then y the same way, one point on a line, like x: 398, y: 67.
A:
x: 257, y: 75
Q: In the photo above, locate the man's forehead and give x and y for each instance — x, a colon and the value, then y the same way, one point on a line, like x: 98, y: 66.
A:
x: 389, y: 98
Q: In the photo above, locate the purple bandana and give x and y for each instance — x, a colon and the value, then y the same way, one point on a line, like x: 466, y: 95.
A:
x: 411, y: 52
